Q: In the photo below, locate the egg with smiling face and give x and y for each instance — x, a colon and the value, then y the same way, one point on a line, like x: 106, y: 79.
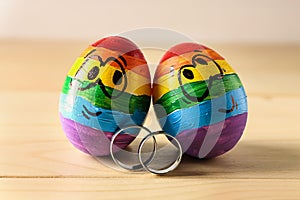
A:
x: 107, y: 88
x: 200, y: 99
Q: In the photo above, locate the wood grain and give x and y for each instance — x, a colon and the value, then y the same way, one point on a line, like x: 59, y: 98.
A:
x: 153, y: 188
x: 37, y: 161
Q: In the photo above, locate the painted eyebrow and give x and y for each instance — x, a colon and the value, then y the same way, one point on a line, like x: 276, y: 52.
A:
x: 114, y: 60
x: 98, y: 58
x: 123, y: 60
x: 197, y: 50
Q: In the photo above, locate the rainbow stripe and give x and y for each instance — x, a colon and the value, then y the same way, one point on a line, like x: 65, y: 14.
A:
x: 108, y: 120
x: 126, y: 103
x: 225, y: 133
x: 175, y: 99
x: 92, y: 141
x: 138, y: 85
x: 204, y: 113
x: 134, y: 64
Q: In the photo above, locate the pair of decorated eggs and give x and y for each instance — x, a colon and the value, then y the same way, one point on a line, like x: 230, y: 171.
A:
x: 197, y: 96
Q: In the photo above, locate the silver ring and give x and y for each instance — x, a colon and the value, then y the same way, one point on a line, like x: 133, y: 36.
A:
x: 165, y: 170
x: 133, y: 167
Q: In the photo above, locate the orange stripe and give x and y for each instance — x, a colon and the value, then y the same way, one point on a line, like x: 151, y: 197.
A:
x: 134, y: 64
x: 175, y: 62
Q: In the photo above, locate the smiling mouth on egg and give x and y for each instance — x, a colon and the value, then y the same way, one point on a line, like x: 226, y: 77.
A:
x: 86, y: 113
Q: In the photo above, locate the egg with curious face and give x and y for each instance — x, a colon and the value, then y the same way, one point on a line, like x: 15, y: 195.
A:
x: 107, y: 88
x: 200, y: 100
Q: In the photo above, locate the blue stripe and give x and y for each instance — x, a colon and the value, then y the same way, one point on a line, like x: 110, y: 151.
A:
x: 108, y: 121
x: 205, y: 113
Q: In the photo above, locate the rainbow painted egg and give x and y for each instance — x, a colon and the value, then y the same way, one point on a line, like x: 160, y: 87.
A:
x: 107, y: 88
x: 199, y: 99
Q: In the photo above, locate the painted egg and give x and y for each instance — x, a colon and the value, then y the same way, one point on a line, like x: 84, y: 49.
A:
x: 199, y: 99
x: 107, y: 88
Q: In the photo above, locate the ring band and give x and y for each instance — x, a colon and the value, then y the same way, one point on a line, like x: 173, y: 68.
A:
x: 165, y: 170
x: 132, y: 167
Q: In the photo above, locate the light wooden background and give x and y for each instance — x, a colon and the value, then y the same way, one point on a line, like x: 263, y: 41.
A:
x: 37, y: 161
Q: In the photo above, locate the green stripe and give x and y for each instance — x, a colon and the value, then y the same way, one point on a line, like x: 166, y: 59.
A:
x: 173, y: 100
x: 97, y: 98
x: 66, y: 86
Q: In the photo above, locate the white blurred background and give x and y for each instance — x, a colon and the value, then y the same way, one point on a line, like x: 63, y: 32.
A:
x: 228, y: 21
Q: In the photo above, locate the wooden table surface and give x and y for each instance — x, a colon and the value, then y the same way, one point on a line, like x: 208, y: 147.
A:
x: 38, y: 162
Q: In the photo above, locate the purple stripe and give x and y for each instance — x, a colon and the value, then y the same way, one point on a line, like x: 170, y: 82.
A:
x: 232, y: 129
x: 90, y: 140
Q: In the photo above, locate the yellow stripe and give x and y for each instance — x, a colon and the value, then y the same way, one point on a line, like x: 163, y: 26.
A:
x: 136, y: 84
x: 78, y: 62
x: 169, y: 82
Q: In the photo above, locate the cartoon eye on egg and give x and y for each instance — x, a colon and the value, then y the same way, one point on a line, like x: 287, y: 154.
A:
x: 188, y: 72
x: 102, y: 73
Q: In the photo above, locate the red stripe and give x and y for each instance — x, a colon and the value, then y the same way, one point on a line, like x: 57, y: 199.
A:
x: 120, y: 44
x: 189, y: 47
